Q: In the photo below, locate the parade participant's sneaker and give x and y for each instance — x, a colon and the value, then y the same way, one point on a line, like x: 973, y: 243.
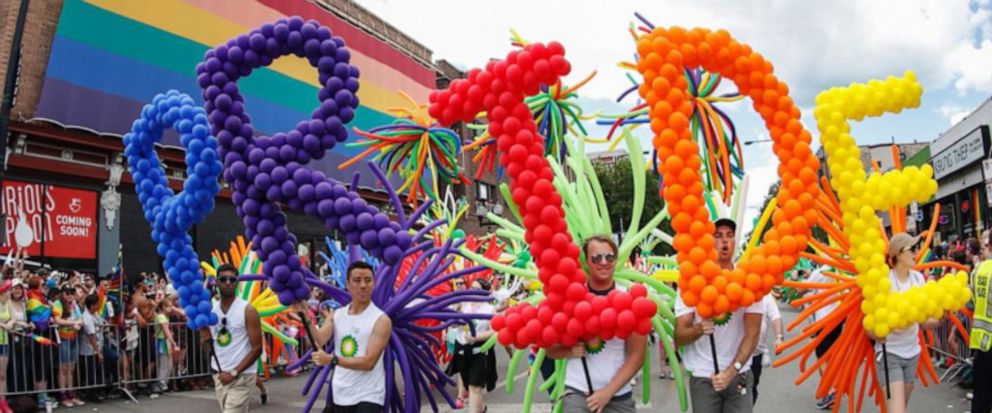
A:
x: 826, y: 403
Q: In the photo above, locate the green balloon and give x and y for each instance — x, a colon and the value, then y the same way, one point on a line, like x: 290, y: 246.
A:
x: 458, y: 234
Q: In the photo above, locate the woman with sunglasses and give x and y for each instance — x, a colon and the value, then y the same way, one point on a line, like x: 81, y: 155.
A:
x: 236, y: 342
x: 901, y: 349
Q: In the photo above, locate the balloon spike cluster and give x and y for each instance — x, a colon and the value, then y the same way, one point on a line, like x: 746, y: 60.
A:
x: 170, y: 215
x: 663, y: 56
x: 569, y: 313
x: 861, y: 196
x: 417, y: 149
x: 268, y: 171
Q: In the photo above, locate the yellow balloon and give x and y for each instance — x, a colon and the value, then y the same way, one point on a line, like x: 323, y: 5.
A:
x: 861, y: 195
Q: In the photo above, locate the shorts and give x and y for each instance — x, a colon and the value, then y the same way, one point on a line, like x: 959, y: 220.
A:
x: 576, y: 402
x: 828, y: 341
x: 900, y: 369
x: 363, y: 407
x: 478, y: 370
x: 69, y: 351
x: 4, y: 350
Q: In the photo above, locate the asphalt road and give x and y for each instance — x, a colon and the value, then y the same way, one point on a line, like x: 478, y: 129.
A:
x: 778, y: 393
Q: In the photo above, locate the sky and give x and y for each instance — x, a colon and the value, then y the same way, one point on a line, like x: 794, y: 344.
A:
x: 812, y: 45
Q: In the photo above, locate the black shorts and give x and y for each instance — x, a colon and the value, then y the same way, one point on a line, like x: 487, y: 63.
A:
x: 363, y: 407
x: 478, y: 369
x: 829, y: 340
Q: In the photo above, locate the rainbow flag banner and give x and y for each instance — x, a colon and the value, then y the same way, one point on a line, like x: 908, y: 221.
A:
x: 110, y: 56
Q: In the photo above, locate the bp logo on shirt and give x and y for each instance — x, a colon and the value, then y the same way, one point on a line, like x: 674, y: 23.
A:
x: 595, y: 346
x: 223, y: 337
x: 349, y: 346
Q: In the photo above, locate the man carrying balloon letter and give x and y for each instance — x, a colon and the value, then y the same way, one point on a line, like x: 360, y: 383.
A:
x: 360, y: 331
x: 608, y: 365
x: 735, y: 337
x: 237, y: 344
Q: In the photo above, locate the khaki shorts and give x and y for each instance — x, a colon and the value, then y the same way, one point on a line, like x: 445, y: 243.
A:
x: 233, y: 398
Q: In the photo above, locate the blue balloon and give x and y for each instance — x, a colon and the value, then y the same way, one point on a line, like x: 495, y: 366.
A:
x: 171, y: 215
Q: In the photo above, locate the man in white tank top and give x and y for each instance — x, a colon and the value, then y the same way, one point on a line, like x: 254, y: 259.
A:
x: 360, y: 331
x: 236, y: 343
x: 611, y: 363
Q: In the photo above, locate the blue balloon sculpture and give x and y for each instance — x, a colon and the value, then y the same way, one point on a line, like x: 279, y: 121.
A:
x: 171, y: 215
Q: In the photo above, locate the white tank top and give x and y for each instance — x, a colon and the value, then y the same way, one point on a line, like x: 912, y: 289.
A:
x: 603, y: 358
x: 351, y: 339
x: 233, y: 346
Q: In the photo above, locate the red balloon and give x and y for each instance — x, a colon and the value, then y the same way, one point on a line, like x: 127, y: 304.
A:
x: 622, y: 301
x: 592, y: 326
x: 599, y: 303
x: 550, y: 335
x: 498, y: 322
x: 583, y: 310
x: 576, y: 291
x: 638, y: 290
x: 643, y: 326
x: 544, y: 315
x: 575, y: 328
x: 626, y: 320
x: 505, y: 337
x: 643, y: 308
x: 528, y: 312
x: 534, y: 328
x: 514, y: 322
x: 608, y: 318
x: 559, y: 321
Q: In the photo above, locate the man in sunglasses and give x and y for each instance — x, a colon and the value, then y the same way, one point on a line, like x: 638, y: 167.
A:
x: 360, y: 331
x: 734, y: 339
x: 236, y: 343
x: 611, y: 363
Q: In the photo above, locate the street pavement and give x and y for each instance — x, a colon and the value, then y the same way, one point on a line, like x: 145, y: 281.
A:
x: 777, y: 393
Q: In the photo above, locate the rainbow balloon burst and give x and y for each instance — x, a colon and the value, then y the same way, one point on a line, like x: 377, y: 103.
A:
x: 415, y: 148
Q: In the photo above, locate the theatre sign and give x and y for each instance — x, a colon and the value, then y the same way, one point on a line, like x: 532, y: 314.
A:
x: 969, y: 149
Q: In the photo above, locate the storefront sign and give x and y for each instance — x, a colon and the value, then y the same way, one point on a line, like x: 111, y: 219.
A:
x: 987, y: 171
x: 968, y: 149
x: 62, y: 219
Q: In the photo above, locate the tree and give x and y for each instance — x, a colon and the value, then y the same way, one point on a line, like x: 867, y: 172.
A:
x: 618, y: 191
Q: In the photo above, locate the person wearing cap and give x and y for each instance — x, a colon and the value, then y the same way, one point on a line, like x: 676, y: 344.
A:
x: 901, y: 347
x: 735, y: 339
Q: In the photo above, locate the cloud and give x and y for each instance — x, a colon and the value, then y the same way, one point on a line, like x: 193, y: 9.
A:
x: 953, y: 113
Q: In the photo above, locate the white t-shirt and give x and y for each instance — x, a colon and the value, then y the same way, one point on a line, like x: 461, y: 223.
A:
x: 904, y: 342
x: 91, y: 327
x: 817, y: 277
x: 352, y: 333
x: 603, y: 359
x: 771, y: 314
x: 697, y: 355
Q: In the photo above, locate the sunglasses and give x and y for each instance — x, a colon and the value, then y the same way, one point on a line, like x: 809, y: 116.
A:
x: 600, y: 258
x: 227, y: 280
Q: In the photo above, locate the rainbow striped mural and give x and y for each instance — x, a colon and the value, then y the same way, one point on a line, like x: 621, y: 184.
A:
x: 109, y: 57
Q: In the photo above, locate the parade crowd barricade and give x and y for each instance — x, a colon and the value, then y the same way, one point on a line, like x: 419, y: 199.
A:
x: 133, y: 358
x: 951, y: 349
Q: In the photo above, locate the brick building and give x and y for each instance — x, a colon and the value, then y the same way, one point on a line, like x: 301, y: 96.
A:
x: 81, y: 81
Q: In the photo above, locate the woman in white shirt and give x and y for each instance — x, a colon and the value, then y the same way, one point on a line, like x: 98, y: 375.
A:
x: 902, y: 348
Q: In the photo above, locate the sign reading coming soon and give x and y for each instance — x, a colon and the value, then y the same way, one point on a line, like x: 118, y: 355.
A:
x: 62, y: 219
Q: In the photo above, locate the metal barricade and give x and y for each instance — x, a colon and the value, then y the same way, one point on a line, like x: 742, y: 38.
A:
x: 950, y: 350
x: 129, y: 359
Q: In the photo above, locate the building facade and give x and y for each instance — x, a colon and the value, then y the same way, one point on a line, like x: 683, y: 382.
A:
x: 87, y: 68
x: 957, y: 156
